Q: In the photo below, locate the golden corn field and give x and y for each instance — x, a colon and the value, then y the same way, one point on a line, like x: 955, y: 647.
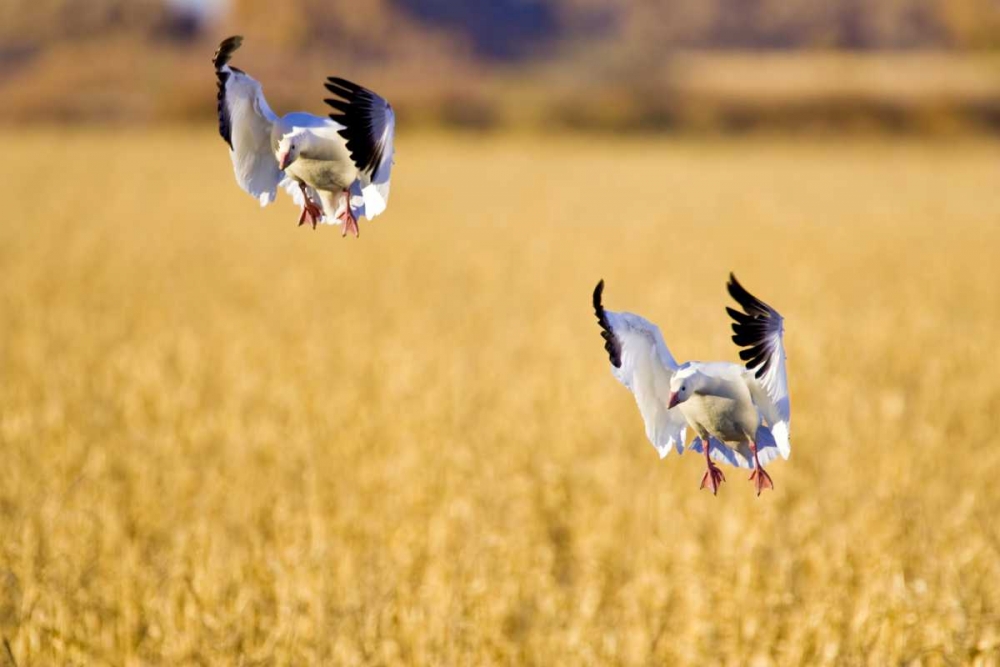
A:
x: 227, y: 440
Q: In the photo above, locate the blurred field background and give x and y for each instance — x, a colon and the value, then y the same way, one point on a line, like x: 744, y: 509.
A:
x: 226, y: 440
x: 701, y: 66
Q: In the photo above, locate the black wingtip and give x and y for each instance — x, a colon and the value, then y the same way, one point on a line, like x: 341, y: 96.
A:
x: 751, y: 304
x: 333, y: 82
x: 220, y: 60
x: 225, y: 51
x: 611, y: 343
x: 598, y: 292
x: 753, y: 327
x: 363, y: 114
x: 735, y: 289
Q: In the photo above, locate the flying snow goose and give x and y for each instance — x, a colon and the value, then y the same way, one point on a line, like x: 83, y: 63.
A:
x: 740, y: 414
x: 342, y: 161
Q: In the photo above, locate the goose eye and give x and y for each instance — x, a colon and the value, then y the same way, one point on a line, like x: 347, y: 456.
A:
x: 683, y: 387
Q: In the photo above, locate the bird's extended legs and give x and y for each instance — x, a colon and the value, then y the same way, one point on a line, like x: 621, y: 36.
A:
x: 347, y: 217
x: 759, y: 475
x: 713, y: 477
x: 311, y: 213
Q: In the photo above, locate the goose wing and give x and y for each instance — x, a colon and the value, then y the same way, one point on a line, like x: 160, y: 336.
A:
x: 245, y: 122
x: 759, y: 330
x: 641, y: 361
x: 369, y: 126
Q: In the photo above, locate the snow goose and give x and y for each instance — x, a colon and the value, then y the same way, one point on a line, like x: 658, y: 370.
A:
x: 740, y: 414
x: 342, y: 161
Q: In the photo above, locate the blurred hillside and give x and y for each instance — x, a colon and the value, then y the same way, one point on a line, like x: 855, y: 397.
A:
x: 705, y: 65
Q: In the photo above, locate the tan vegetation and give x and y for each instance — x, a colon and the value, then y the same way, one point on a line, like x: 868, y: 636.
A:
x: 226, y: 440
x: 700, y: 66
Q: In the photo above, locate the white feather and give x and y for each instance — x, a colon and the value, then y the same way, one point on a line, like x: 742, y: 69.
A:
x: 373, y: 201
x: 767, y: 450
x: 251, y: 120
x: 321, y: 159
x: 646, y: 369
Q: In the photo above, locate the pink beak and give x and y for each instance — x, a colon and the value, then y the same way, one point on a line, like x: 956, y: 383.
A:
x: 284, y: 161
x: 673, y: 400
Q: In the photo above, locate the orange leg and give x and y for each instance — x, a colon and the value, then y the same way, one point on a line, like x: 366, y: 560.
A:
x: 713, y: 477
x: 310, y: 212
x: 347, y: 217
x: 759, y: 475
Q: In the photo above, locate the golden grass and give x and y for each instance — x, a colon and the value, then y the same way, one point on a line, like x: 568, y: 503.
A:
x: 226, y: 440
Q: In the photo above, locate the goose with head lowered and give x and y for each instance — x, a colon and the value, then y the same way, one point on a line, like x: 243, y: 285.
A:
x: 739, y: 413
x: 336, y: 168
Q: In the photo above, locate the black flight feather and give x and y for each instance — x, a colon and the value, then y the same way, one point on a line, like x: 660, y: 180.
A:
x: 611, y: 342
x: 756, y: 329
x: 220, y: 60
x: 365, y: 117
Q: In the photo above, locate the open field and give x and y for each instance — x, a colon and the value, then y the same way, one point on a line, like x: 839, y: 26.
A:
x: 226, y: 440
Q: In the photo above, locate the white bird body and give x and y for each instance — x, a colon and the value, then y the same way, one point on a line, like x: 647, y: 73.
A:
x: 740, y: 413
x: 322, y: 173
x: 724, y: 410
x: 335, y: 159
x: 727, y: 407
x: 323, y: 161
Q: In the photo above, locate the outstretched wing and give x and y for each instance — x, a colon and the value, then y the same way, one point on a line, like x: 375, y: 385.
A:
x: 641, y: 361
x: 245, y: 122
x: 759, y: 330
x: 368, y: 127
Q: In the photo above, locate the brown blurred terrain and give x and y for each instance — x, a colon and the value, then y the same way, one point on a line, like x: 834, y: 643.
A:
x: 903, y: 66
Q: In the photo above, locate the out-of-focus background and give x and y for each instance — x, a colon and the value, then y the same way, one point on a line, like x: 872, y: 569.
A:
x: 228, y: 440
x: 913, y: 66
